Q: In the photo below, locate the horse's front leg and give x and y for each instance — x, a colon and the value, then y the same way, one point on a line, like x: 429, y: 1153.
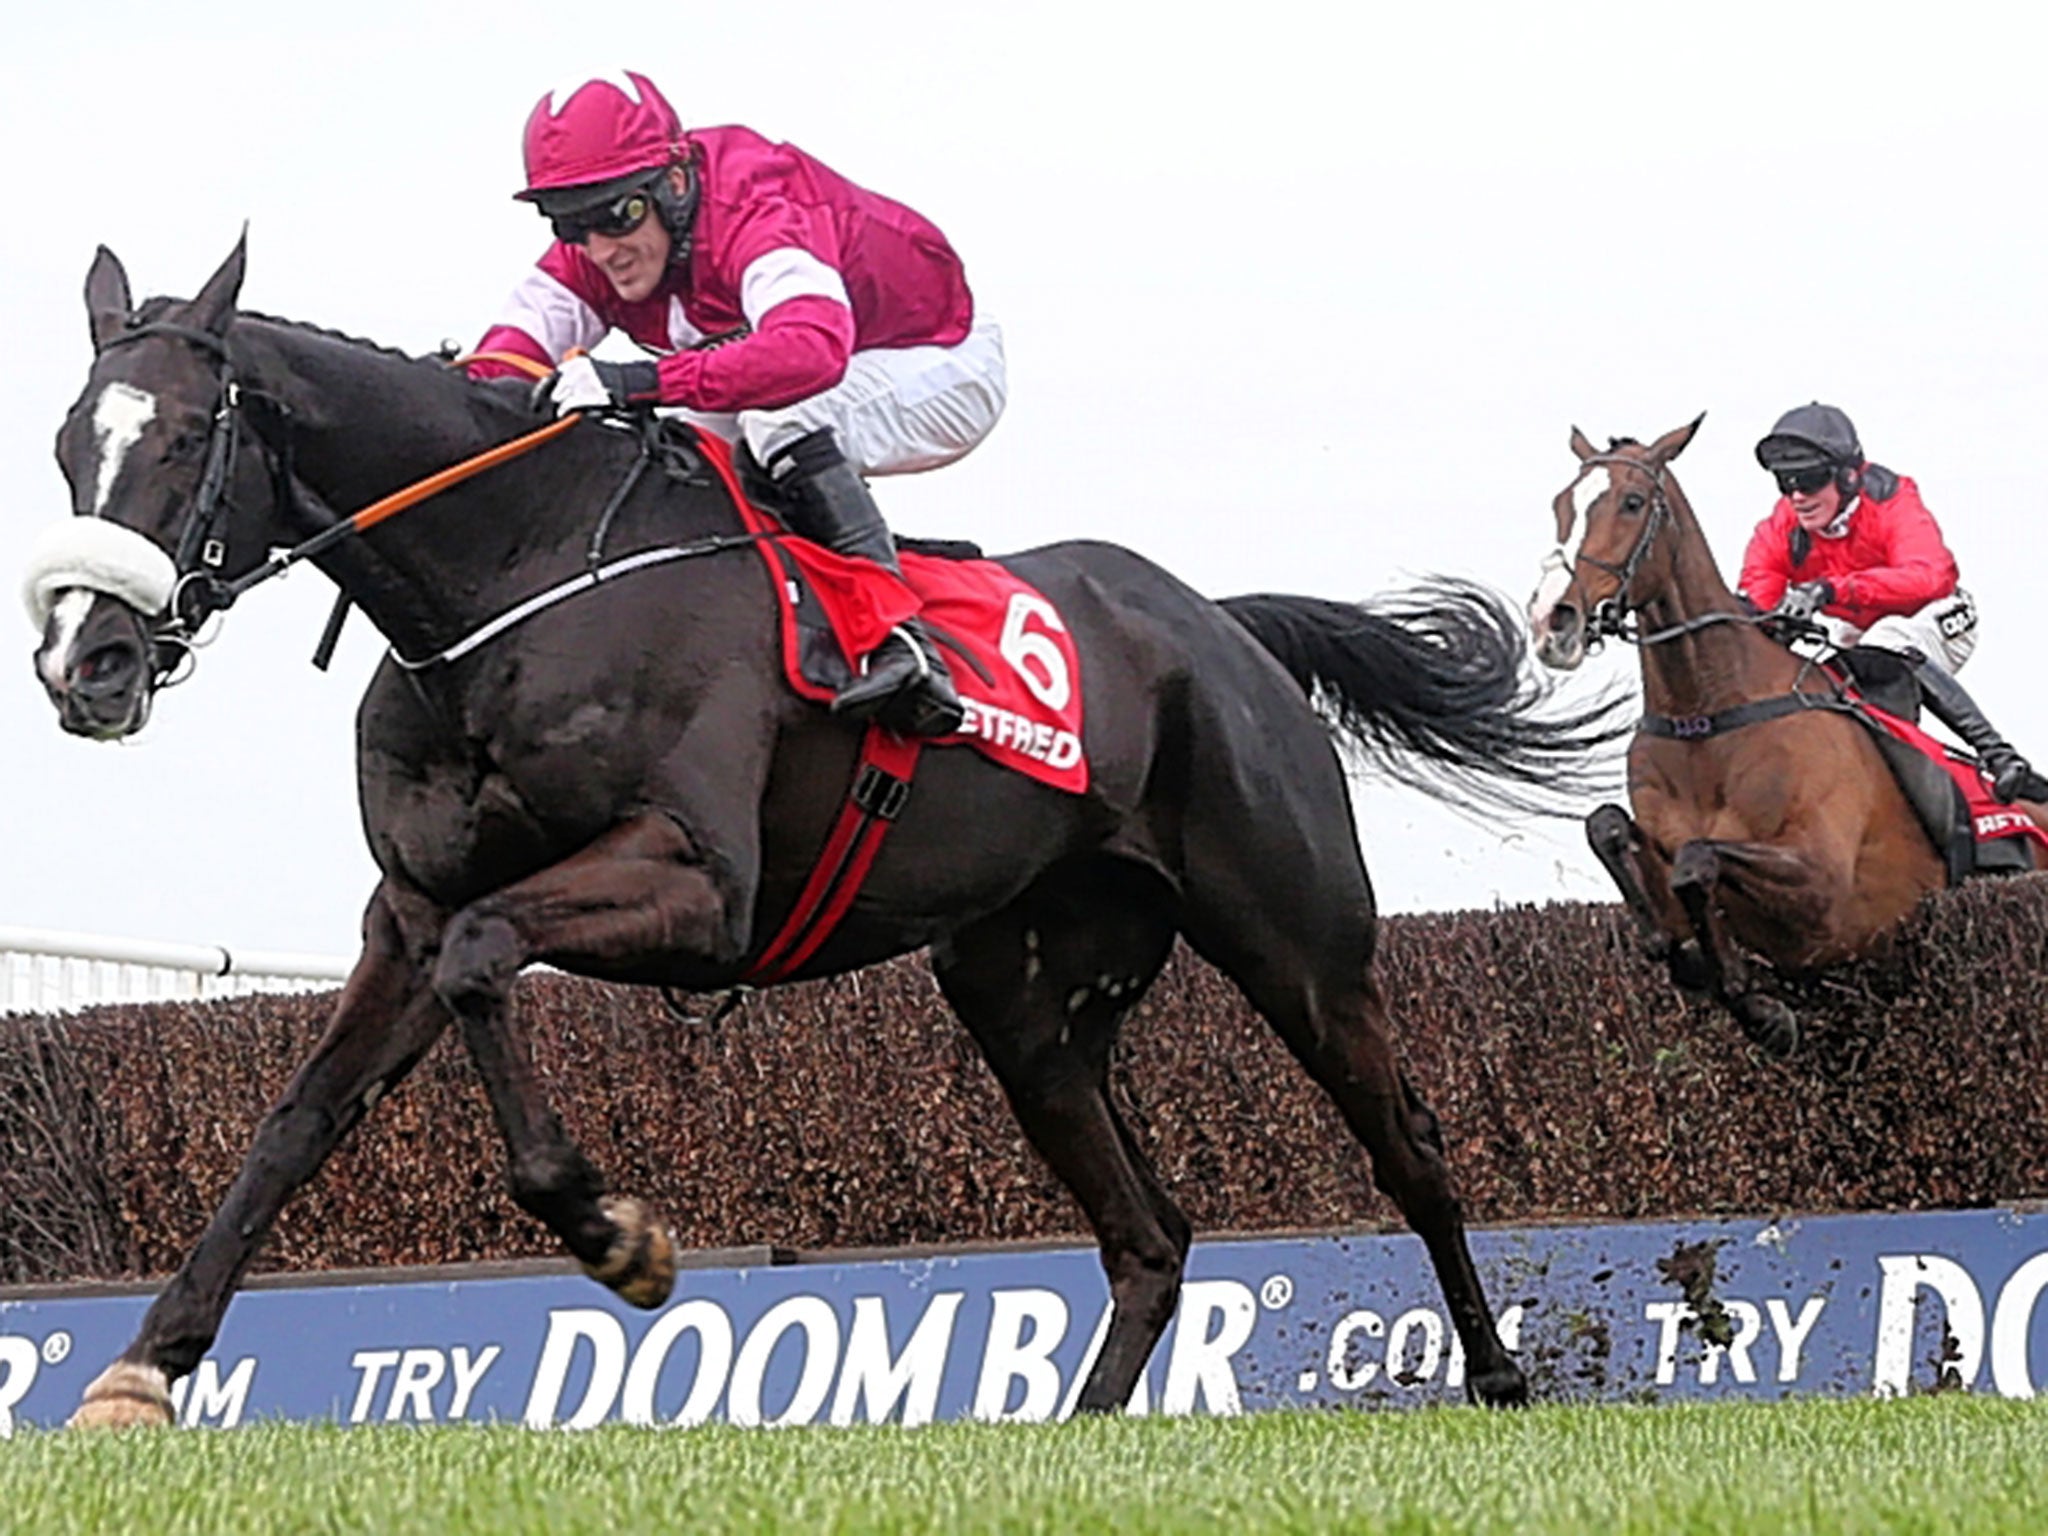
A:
x: 1637, y: 870
x: 383, y: 1023
x: 1777, y: 881
x: 640, y: 891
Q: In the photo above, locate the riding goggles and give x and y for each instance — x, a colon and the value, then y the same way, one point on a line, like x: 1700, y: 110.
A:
x: 1804, y: 482
x: 615, y: 219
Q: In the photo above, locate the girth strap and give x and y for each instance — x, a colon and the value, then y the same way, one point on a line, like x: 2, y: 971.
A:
x: 881, y: 785
x: 1700, y: 727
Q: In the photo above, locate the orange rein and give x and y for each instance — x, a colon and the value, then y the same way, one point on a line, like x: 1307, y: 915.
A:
x: 226, y: 592
x: 412, y: 495
x: 455, y: 474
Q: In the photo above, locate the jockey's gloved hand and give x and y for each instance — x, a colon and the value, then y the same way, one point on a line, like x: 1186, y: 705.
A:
x: 1802, y: 602
x: 585, y: 384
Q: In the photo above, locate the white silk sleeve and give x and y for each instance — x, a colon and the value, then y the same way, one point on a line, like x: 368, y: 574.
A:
x: 790, y: 272
x: 553, y: 314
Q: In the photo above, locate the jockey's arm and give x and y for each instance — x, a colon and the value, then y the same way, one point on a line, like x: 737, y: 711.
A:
x: 1918, y: 569
x: 798, y: 349
x: 800, y: 326
x: 543, y: 319
x: 1766, y: 567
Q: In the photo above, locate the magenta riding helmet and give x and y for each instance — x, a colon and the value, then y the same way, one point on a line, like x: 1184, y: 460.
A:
x: 602, y: 137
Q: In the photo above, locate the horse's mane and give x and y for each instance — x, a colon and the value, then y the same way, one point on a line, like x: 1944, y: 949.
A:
x: 1616, y: 444
x: 434, y: 365
x: 330, y: 334
x: 154, y: 309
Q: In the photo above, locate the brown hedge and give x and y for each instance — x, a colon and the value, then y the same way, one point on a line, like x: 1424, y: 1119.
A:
x: 1572, y: 1082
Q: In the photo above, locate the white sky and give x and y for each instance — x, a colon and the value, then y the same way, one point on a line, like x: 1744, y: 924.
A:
x: 1298, y: 297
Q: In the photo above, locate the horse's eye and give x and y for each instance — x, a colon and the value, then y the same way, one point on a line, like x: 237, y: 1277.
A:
x: 185, y: 446
x: 1632, y: 502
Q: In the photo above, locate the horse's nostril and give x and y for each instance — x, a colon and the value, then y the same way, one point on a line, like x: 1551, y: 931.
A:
x: 105, y: 668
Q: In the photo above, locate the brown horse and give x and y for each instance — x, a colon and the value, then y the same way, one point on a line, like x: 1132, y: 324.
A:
x: 1765, y: 817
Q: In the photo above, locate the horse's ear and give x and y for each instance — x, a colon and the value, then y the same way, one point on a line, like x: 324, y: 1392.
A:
x: 107, y: 300
x: 1672, y: 443
x: 1581, y: 447
x: 215, y: 305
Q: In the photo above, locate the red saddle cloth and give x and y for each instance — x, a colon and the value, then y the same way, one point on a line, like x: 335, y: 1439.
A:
x: 1990, y: 820
x: 1013, y: 661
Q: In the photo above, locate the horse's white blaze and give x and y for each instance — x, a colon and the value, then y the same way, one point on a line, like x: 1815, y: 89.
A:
x: 65, y: 618
x: 118, y: 417
x: 1592, y: 485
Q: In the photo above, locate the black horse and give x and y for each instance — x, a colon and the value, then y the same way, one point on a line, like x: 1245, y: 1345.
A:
x: 623, y: 786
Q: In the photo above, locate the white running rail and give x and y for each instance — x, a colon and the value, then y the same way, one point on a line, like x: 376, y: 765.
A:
x: 48, y: 971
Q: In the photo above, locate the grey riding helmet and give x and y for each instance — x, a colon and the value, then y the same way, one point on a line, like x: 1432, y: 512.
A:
x: 1810, y: 437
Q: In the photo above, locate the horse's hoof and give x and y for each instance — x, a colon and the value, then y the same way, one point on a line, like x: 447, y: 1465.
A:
x: 641, y: 1263
x: 1772, y: 1025
x: 1690, y: 972
x: 1502, y: 1387
x: 125, y: 1396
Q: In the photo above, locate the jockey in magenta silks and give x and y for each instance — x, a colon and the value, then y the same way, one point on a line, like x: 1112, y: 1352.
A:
x: 827, y: 329
x: 1851, y: 544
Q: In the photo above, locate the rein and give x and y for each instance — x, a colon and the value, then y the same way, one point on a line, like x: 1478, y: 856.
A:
x: 1611, y: 617
x: 202, y: 543
x: 398, y: 501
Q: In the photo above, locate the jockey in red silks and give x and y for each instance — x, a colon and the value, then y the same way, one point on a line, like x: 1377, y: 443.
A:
x: 1851, y: 542
x: 828, y: 330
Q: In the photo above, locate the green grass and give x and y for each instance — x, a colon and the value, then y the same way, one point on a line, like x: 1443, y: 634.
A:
x: 1922, y: 1465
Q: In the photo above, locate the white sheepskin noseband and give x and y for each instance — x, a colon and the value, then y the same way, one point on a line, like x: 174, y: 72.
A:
x: 100, y: 556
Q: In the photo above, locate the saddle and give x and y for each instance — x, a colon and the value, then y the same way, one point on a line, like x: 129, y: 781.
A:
x: 1974, y: 833
x: 1014, y: 662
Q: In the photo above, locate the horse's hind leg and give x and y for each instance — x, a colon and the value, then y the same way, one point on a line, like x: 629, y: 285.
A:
x: 383, y: 1022
x: 1337, y: 1027
x: 1042, y: 986
x: 1288, y: 916
x: 638, y: 891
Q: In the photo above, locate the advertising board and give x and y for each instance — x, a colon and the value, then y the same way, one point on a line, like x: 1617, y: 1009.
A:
x: 1839, y: 1304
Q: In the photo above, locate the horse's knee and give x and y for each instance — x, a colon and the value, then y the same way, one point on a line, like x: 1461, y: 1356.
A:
x: 1697, y: 868
x: 1610, y: 832
x: 481, y: 953
x: 1423, y: 1124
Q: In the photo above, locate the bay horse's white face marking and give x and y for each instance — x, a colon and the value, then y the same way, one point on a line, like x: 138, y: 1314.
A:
x: 118, y: 418
x: 1589, y: 488
x: 1561, y: 637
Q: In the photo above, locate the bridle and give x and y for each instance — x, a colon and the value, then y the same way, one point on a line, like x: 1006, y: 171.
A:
x: 1611, y: 615
x: 199, y: 591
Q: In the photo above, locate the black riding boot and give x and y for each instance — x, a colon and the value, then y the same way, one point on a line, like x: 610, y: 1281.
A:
x: 906, y: 682
x: 2011, y: 776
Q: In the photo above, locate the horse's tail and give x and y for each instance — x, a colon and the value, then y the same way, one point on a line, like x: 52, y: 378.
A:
x: 1434, y: 686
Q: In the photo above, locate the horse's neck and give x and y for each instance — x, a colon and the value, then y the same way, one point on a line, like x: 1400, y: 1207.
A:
x: 365, y: 424
x: 1716, y: 665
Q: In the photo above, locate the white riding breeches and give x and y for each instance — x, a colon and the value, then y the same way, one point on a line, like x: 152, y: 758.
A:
x: 1945, y: 631
x: 898, y: 410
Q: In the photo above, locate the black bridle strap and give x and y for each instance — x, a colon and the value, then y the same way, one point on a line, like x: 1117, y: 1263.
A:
x: 1756, y: 712
x: 1616, y: 608
x: 205, y: 340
